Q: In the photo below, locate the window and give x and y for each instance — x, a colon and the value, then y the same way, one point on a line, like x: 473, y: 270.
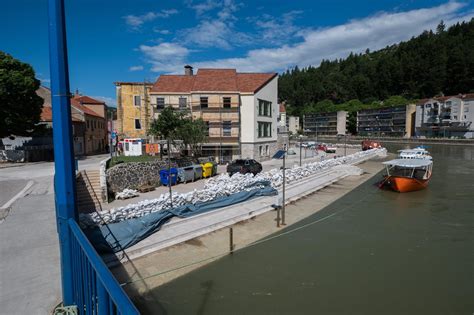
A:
x: 260, y: 150
x: 137, y: 100
x: 204, y: 102
x: 267, y: 151
x: 182, y: 102
x: 264, y: 129
x: 138, y: 124
x: 226, y: 128
x: 264, y: 108
x: 226, y: 102
x: 455, y: 117
x: 88, y: 124
x: 160, y: 103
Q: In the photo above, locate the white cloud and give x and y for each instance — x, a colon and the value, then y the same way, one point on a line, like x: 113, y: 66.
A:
x: 136, y: 21
x: 136, y: 68
x: 109, y: 101
x: 215, y: 31
x: 162, y: 32
x: 277, y: 30
x: 165, y: 57
x: 204, y: 7
x: 374, y: 32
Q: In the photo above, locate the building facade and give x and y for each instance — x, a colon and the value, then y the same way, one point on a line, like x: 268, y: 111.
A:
x: 239, y: 109
x: 447, y: 116
x: 293, y: 124
x: 330, y: 124
x: 134, y: 112
x: 387, y: 121
x: 89, y: 127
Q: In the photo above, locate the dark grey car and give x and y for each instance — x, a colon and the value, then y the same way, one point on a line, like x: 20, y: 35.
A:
x: 244, y: 166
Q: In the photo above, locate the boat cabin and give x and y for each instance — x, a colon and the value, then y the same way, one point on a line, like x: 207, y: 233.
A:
x: 411, y: 168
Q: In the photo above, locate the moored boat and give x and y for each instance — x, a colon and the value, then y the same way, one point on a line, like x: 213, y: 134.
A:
x: 416, y: 153
x: 404, y: 175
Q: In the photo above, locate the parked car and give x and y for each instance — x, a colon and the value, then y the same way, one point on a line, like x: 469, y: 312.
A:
x: 368, y: 144
x: 330, y: 149
x: 244, y: 166
x: 322, y: 147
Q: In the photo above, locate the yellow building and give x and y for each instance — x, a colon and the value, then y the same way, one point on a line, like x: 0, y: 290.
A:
x: 133, y: 109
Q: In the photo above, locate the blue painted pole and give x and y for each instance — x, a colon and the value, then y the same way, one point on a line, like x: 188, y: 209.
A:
x: 64, y: 178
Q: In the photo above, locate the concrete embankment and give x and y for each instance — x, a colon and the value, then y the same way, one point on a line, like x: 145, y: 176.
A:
x: 161, y: 266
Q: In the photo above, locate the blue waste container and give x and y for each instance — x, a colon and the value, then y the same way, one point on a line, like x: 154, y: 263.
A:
x: 165, y: 176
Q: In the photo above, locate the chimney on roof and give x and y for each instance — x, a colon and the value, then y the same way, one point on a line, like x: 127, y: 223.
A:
x: 188, y: 70
x: 77, y: 92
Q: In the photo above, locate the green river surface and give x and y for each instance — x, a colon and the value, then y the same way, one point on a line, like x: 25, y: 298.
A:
x: 380, y: 252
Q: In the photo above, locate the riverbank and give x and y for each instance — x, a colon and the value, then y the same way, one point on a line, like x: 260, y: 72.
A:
x: 195, y: 253
x: 408, y: 141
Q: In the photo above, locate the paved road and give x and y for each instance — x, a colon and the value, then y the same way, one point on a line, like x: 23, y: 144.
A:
x: 29, y: 251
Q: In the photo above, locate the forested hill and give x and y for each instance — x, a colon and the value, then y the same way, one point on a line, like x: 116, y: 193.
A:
x: 427, y: 65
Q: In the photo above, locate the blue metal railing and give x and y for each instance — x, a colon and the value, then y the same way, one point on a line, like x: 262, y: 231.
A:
x: 95, y: 290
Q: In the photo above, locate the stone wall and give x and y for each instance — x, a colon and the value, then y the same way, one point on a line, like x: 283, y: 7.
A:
x: 26, y: 155
x: 134, y: 174
x: 103, y: 180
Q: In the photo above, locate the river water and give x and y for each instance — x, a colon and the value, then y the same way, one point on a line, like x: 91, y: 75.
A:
x: 375, y: 252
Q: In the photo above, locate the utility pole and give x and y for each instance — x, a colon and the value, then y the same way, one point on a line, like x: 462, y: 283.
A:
x: 169, y: 172
x: 284, y: 184
x: 345, y: 142
x: 64, y: 179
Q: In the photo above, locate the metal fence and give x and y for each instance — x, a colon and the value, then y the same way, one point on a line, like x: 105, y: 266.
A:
x: 95, y: 290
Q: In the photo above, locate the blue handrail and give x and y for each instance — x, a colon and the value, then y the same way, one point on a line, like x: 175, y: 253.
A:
x: 95, y: 290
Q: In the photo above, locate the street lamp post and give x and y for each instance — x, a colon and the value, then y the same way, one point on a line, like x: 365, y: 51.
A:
x: 168, y: 143
x: 300, y: 138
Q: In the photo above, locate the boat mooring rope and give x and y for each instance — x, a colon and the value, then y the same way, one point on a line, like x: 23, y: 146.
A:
x: 352, y: 204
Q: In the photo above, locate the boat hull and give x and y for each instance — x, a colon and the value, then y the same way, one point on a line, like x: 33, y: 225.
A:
x: 405, y: 184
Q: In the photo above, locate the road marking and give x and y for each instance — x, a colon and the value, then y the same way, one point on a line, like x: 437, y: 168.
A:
x: 19, y: 195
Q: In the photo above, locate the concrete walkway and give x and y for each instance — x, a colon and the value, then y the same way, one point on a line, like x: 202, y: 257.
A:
x: 29, y: 249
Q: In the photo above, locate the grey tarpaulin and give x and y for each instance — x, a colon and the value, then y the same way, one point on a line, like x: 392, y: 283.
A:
x: 115, y: 237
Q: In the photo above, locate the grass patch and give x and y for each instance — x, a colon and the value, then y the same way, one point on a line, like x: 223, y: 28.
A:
x: 126, y: 159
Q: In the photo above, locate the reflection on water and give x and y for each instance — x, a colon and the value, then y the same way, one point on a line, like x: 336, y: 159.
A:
x: 388, y: 253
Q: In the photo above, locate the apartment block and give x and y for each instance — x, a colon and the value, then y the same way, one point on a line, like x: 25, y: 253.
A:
x: 387, y: 121
x: 446, y: 116
x: 330, y: 124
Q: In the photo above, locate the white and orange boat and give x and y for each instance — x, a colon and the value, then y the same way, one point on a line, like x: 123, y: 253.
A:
x: 404, y: 175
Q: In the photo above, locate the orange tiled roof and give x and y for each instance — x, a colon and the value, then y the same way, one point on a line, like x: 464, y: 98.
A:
x: 88, y: 100
x: 84, y: 109
x: 282, y: 108
x: 47, y: 115
x: 213, y: 80
x: 174, y: 83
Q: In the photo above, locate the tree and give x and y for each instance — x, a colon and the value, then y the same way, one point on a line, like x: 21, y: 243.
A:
x: 193, y: 134
x: 20, y: 106
x: 178, y: 125
x: 167, y: 123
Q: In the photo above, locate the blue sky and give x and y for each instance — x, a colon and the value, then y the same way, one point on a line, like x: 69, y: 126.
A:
x: 138, y: 40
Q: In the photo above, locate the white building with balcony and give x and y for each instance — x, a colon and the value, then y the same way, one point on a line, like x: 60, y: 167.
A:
x: 446, y: 116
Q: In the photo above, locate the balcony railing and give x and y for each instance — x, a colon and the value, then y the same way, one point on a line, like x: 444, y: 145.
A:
x: 95, y: 290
